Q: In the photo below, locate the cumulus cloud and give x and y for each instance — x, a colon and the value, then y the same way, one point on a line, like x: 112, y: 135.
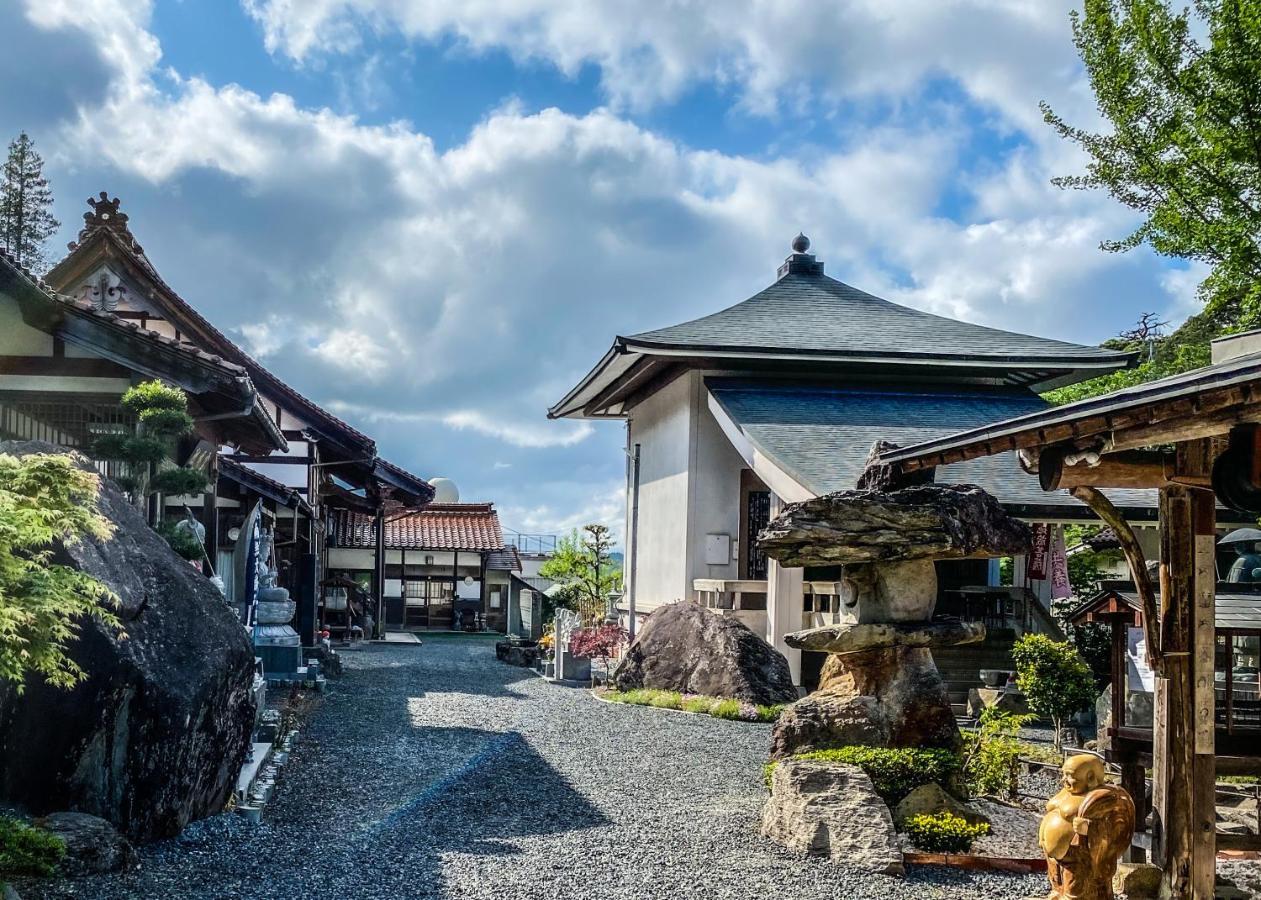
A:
x: 770, y: 53
x: 449, y: 296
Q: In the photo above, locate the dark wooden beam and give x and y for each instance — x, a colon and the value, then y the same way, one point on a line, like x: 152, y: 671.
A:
x: 1136, y: 469
x: 1103, y: 508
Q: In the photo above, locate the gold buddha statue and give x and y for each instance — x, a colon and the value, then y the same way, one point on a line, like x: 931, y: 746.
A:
x: 1087, y: 826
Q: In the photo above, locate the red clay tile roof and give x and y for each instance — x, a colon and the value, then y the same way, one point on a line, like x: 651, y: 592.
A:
x: 439, y: 526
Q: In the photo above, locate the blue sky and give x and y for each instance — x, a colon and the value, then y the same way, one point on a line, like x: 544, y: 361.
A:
x: 433, y: 217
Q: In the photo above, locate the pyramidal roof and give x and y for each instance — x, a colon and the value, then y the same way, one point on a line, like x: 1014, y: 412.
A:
x: 807, y: 312
x: 807, y: 319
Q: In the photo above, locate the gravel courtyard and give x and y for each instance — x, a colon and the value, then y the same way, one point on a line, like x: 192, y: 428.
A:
x: 436, y: 771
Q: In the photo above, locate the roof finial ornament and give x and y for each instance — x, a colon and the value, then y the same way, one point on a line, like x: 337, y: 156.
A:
x: 105, y: 214
x: 801, y: 243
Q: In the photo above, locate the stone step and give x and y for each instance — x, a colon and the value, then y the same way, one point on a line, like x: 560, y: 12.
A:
x: 960, y: 710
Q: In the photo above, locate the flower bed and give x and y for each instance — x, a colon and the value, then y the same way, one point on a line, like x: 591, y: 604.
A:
x: 719, y: 707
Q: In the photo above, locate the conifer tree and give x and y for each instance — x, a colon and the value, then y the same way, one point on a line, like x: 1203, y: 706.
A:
x: 26, y: 219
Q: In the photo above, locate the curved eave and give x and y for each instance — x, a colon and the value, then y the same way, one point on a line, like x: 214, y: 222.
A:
x: 1039, y: 373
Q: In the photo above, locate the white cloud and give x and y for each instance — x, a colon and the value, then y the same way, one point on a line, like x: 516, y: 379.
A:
x: 768, y: 52
x: 449, y: 297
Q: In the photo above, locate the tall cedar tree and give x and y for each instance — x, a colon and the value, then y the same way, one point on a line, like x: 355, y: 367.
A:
x: 26, y: 200
x: 1181, y: 90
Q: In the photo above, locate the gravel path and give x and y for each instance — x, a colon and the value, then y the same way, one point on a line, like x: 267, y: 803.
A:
x: 436, y: 771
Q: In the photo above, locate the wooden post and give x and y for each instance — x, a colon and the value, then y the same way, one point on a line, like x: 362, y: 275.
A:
x: 1183, y: 826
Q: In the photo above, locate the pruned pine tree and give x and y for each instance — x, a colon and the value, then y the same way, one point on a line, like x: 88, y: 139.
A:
x: 26, y: 199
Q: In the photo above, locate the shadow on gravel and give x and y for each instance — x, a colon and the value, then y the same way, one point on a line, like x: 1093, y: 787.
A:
x: 503, y: 791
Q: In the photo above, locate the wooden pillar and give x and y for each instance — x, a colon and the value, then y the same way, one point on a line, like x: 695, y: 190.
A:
x: 1183, y: 826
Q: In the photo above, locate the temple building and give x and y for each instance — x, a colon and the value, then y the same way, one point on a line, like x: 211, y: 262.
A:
x: 780, y: 398
x: 103, y: 320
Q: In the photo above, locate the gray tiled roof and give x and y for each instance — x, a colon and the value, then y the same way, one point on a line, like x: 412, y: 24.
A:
x: 821, y: 436
x: 813, y: 313
x: 1239, y: 611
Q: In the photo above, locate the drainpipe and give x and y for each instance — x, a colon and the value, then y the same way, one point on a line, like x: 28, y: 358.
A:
x: 632, y: 572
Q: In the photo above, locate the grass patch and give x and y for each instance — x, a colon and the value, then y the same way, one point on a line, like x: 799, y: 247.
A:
x: 894, y: 771
x: 27, y: 851
x: 719, y: 707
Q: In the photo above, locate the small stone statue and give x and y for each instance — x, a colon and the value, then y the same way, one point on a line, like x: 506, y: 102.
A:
x: 1087, y: 826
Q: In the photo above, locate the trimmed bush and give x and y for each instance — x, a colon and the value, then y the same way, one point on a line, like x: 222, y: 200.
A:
x: 178, y: 482
x: 943, y: 832
x: 894, y: 771
x: 154, y: 395
x: 726, y: 709
x: 27, y: 851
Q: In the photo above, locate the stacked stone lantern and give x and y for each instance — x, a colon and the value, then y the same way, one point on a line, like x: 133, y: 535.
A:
x: 880, y: 686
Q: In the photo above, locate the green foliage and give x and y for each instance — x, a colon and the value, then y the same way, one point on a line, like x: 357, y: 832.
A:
x: 45, y: 500
x: 182, y: 541
x: 179, y: 481
x: 646, y: 697
x: 991, y: 758
x: 1188, y: 347
x: 1177, y: 89
x: 166, y: 422
x: 943, y: 832
x: 698, y: 704
x: 27, y: 851
x: 154, y: 395
x: 111, y: 446
x: 1054, y: 678
x: 894, y: 771
x: 1092, y: 640
x: 26, y: 219
x: 582, y: 565
x: 725, y: 709
x: 720, y: 707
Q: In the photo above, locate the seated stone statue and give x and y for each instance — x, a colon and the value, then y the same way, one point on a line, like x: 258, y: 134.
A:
x: 1087, y: 826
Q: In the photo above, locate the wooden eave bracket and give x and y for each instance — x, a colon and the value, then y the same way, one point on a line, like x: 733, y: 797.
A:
x: 1102, y: 507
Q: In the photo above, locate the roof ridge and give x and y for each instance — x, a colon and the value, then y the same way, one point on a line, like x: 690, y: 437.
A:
x: 125, y: 241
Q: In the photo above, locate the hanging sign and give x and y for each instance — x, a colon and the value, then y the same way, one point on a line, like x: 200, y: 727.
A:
x: 1060, y: 586
x: 1039, y: 555
x: 1139, y: 676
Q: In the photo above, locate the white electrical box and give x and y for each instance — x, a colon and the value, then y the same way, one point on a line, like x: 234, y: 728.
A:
x: 717, y: 549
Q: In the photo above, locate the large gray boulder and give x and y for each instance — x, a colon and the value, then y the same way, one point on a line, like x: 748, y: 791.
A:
x: 157, y: 733
x: 685, y: 647
x: 832, y: 810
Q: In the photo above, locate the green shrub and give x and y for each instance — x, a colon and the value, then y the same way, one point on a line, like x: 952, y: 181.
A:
x: 110, y: 446
x: 27, y: 851
x: 166, y: 422
x: 943, y: 832
x: 894, y: 771
x: 182, y: 541
x: 992, y: 757
x: 698, y: 704
x: 154, y: 395
x: 179, y: 481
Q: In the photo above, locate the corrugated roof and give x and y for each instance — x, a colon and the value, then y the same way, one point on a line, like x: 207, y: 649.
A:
x: 439, y: 526
x: 822, y: 436
x: 806, y: 312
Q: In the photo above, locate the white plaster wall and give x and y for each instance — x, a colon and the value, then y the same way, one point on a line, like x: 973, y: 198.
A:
x: 715, y: 490
x: 16, y: 337
x: 664, y: 427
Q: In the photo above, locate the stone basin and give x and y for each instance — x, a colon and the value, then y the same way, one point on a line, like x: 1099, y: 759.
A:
x: 847, y: 638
